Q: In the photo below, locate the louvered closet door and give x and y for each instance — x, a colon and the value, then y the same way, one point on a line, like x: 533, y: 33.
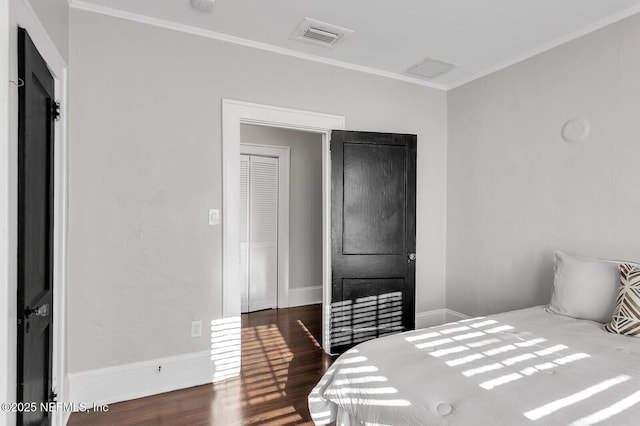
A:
x: 259, y: 243
x: 244, y: 233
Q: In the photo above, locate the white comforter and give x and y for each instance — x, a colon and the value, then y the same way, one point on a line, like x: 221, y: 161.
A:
x: 521, y: 367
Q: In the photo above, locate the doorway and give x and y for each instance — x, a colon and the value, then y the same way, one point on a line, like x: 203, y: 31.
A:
x: 21, y: 15
x: 234, y: 114
x: 299, y: 224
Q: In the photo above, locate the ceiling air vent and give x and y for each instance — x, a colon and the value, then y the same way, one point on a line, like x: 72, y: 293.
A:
x: 429, y: 69
x: 321, y: 36
x: 319, y: 33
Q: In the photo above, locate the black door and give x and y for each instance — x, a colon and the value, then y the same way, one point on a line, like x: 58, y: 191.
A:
x: 373, y: 235
x: 35, y: 231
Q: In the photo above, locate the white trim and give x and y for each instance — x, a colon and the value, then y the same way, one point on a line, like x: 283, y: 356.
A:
x: 339, y: 124
x: 452, y: 315
x: 302, y: 296
x: 21, y: 14
x: 90, y: 7
x: 7, y: 252
x: 27, y: 18
x: 547, y: 46
x: 438, y: 317
x: 283, y: 154
x: 60, y: 243
x: 139, y: 379
x: 235, y: 113
x: 431, y: 318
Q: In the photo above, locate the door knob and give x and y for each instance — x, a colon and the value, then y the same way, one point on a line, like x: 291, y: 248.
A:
x: 40, y: 311
x: 412, y: 257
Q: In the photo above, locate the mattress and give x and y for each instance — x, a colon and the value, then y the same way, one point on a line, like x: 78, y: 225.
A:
x: 525, y: 367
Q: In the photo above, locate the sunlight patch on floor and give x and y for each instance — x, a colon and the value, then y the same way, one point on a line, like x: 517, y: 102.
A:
x: 225, y: 348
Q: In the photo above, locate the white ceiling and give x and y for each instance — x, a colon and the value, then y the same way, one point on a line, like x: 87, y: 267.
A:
x: 479, y: 36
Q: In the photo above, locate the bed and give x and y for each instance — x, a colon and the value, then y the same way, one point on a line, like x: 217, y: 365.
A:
x: 529, y: 367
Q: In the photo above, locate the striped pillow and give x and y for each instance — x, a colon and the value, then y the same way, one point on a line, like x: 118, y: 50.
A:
x: 626, y: 316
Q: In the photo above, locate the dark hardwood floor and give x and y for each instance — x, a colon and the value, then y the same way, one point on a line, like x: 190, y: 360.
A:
x: 281, y: 362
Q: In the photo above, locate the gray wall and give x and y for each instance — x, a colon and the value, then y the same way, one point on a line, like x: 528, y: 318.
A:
x: 517, y: 191
x: 54, y: 15
x: 305, y: 209
x: 145, y: 166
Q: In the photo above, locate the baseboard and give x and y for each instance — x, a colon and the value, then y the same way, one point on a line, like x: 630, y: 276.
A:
x: 452, y: 315
x: 305, y: 296
x: 131, y: 381
x: 438, y: 317
x: 61, y: 418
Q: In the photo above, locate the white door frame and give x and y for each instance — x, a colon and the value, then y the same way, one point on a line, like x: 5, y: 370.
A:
x: 283, y: 154
x: 235, y: 113
x: 21, y: 14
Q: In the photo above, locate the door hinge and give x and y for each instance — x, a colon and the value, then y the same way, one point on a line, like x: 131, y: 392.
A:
x: 55, y: 110
x: 330, y: 145
x: 53, y: 396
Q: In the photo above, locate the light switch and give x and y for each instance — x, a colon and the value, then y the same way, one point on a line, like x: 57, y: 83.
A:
x: 214, y: 217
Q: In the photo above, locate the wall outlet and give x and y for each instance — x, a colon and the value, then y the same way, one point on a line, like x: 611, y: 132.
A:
x: 196, y: 329
x: 214, y: 217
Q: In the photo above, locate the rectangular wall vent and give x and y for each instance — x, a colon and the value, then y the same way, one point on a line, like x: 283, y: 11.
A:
x: 319, y: 33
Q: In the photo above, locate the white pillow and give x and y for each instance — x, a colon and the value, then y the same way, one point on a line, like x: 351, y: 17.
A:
x: 584, y: 288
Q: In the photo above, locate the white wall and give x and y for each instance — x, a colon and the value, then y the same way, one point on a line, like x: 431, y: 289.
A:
x: 305, y: 209
x: 54, y: 15
x: 517, y: 191
x: 145, y: 166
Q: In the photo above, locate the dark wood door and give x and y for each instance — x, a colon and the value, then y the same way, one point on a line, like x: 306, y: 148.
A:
x: 373, y: 235
x: 35, y: 231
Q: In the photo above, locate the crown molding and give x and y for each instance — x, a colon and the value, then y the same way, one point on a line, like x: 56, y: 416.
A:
x: 90, y: 7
